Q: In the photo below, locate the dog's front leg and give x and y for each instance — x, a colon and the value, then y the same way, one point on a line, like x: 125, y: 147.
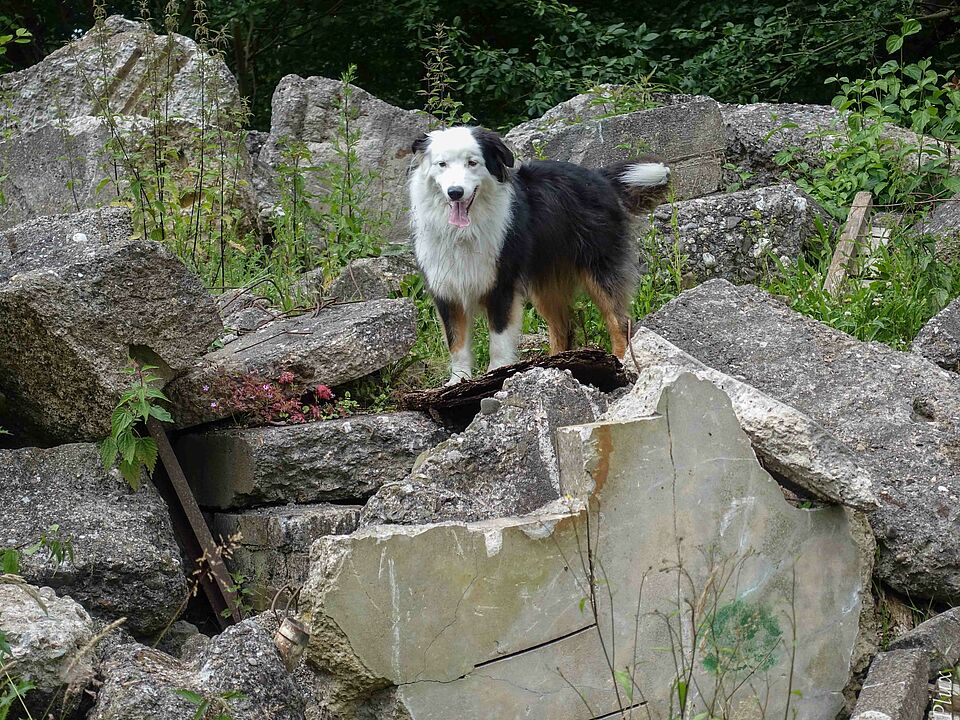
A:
x: 457, y: 326
x: 505, y: 315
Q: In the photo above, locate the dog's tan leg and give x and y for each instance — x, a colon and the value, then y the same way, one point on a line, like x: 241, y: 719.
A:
x: 552, y: 300
x: 457, y: 326
x: 615, y: 314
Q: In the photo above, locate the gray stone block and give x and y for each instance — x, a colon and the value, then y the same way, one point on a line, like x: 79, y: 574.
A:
x: 687, y: 135
x: 938, y: 638
x: 270, y: 547
x: 939, y: 340
x: 895, y: 688
x: 739, y: 236
x: 898, y: 412
x: 343, y: 459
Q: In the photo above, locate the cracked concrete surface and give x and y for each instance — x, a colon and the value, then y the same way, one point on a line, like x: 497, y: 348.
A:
x: 535, y: 616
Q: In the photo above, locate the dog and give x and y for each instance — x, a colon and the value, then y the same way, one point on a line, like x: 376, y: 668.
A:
x: 488, y: 236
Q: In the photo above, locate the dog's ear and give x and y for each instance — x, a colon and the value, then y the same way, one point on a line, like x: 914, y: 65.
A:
x: 420, y: 144
x: 496, y: 156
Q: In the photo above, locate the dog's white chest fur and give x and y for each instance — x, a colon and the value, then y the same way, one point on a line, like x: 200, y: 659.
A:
x: 460, y: 265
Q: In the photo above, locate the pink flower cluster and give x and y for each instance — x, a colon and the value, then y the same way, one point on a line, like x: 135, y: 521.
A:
x: 282, y: 401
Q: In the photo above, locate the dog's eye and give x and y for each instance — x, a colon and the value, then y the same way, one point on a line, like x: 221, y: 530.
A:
x: 472, y: 163
x: 442, y: 163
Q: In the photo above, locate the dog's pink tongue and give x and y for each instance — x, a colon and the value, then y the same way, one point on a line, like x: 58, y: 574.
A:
x: 458, y: 214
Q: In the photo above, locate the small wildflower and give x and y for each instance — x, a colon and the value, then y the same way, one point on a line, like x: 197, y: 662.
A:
x: 266, y: 386
x: 206, y: 388
x: 214, y: 404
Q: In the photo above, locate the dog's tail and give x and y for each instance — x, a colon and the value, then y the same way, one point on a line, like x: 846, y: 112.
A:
x: 641, y: 184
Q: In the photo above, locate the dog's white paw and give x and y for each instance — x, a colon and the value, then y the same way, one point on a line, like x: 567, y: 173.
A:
x: 455, y: 380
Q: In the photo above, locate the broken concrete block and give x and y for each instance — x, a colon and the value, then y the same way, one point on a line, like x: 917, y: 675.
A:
x: 503, y: 464
x: 939, y: 340
x: 114, y: 64
x: 938, y: 638
x: 269, y: 547
x: 238, y: 674
x: 123, y: 561
x: 738, y: 236
x: 686, y: 133
x: 372, y: 278
x: 307, y: 110
x: 943, y: 223
x: 895, y: 688
x: 68, y: 326
x: 338, y: 344
x: 787, y: 442
x: 47, y: 638
x: 343, y: 459
x: 515, y: 617
x: 898, y: 412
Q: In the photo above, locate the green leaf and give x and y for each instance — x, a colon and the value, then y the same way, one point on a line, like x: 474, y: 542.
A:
x: 147, y: 454
x: 108, y: 452
x: 625, y: 681
x: 190, y: 696
x: 10, y: 561
x: 161, y: 414
x: 910, y: 27
x: 4, y: 645
x: 894, y: 43
x: 131, y: 473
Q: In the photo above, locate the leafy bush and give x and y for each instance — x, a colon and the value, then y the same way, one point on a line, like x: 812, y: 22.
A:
x: 126, y: 446
x: 871, y: 153
x: 899, y: 288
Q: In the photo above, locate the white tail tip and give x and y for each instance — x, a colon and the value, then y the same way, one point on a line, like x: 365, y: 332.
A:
x: 648, y: 173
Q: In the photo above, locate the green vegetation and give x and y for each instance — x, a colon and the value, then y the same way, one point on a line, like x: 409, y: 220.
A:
x: 126, y: 446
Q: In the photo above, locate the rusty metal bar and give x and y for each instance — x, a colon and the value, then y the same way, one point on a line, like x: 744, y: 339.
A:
x: 192, y: 530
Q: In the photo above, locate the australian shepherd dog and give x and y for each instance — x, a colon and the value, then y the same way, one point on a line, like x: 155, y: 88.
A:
x: 488, y: 236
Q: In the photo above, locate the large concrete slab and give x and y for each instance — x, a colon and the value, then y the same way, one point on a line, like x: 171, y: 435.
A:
x: 687, y: 133
x: 672, y: 536
x: 898, y: 411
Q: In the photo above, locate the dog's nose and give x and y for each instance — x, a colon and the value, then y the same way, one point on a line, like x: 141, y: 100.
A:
x: 455, y: 192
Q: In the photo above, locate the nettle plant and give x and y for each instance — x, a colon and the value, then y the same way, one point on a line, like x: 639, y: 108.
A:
x: 126, y: 446
x: 871, y: 152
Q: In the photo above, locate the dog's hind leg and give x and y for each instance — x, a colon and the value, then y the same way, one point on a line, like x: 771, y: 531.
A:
x: 553, y: 300
x: 505, y: 314
x: 457, y: 326
x: 614, y: 305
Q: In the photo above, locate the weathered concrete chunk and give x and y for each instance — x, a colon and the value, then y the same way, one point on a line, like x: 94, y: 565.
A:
x: 69, y: 166
x: 125, y: 561
x: 239, y: 674
x: 757, y: 133
x: 343, y: 459
x: 503, y: 464
x: 306, y: 110
x: 895, y: 688
x: 938, y: 638
x: 739, y: 236
x: 372, y: 278
x: 897, y: 411
x: 498, y: 619
x: 334, y: 346
x: 47, y: 637
x: 684, y: 133
x: 787, y: 442
x: 939, y: 340
x: 115, y: 63
x: 270, y: 546
x: 944, y: 224
x: 77, y: 301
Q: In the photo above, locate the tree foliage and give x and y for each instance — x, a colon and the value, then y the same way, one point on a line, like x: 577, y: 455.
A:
x: 515, y: 58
